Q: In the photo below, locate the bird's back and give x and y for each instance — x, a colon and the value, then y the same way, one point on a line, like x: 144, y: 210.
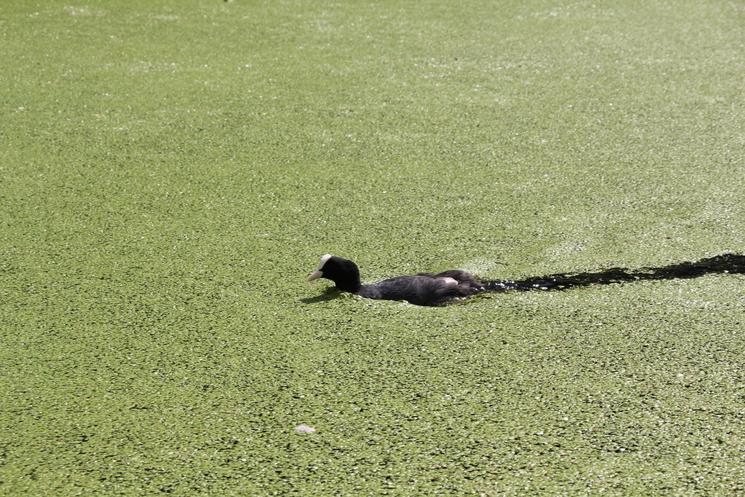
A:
x: 421, y: 289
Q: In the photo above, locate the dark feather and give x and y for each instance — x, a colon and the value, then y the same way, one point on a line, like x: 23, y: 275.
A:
x: 422, y: 289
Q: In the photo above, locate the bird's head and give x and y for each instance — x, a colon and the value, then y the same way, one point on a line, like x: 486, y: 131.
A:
x: 343, y: 272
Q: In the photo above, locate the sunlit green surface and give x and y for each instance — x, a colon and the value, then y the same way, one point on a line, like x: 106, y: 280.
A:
x: 170, y: 172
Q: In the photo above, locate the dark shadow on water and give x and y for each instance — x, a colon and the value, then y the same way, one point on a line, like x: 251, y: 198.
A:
x: 330, y: 294
x: 725, y: 263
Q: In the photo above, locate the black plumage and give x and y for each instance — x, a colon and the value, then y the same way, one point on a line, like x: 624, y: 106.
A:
x: 421, y: 289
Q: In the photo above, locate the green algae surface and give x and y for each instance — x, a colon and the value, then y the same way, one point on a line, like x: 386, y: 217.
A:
x: 170, y: 172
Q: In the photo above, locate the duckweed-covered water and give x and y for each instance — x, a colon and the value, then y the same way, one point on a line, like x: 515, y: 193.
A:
x: 171, y: 171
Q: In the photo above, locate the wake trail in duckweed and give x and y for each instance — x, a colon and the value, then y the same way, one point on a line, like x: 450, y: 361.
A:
x: 720, y: 264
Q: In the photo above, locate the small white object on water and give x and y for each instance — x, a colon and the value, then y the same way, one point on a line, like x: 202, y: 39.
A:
x: 303, y: 428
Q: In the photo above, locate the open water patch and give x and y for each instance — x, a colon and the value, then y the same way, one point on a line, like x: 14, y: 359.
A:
x: 720, y: 264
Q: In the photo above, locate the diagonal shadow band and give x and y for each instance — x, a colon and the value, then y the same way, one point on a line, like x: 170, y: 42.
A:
x: 725, y: 263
